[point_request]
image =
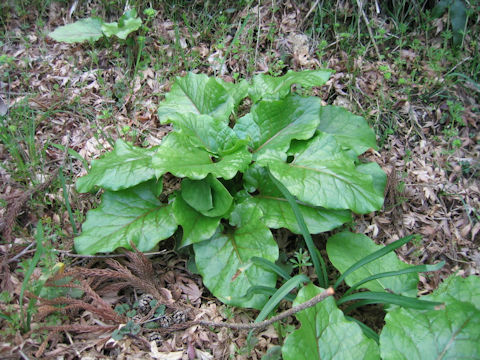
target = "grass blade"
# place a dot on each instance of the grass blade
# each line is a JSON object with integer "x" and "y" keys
{"x": 5, "y": 317}
{"x": 367, "y": 330}
{"x": 417, "y": 269}
{"x": 266, "y": 290}
{"x": 318, "y": 262}
{"x": 373, "y": 256}
{"x": 387, "y": 298}
{"x": 270, "y": 266}
{"x": 280, "y": 295}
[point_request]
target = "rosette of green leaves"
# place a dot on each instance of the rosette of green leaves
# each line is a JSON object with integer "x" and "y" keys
{"x": 226, "y": 204}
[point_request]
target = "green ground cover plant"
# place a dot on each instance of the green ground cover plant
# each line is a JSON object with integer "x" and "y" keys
{"x": 420, "y": 65}
{"x": 226, "y": 202}
{"x": 254, "y": 156}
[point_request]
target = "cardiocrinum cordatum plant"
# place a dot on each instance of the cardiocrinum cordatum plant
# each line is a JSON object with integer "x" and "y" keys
{"x": 237, "y": 154}
{"x": 226, "y": 202}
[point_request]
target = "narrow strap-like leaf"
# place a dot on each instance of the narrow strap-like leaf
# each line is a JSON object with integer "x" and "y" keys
{"x": 387, "y": 298}
{"x": 280, "y": 295}
{"x": 372, "y": 257}
{"x": 367, "y": 330}
{"x": 270, "y": 266}
{"x": 266, "y": 290}
{"x": 318, "y": 262}
{"x": 417, "y": 269}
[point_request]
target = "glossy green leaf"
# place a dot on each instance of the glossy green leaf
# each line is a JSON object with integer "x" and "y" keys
{"x": 131, "y": 215}
{"x": 379, "y": 177}
{"x": 270, "y": 87}
{"x": 225, "y": 263}
{"x": 345, "y": 249}
{"x": 196, "y": 94}
{"x": 177, "y": 156}
{"x": 448, "y": 333}
{"x": 197, "y": 194}
{"x": 277, "y": 212}
{"x": 124, "y": 167}
{"x": 128, "y": 23}
{"x": 349, "y": 130}
{"x": 205, "y": 132}
{"x": 272, "y": 125}
{"x": 207, "y": 196}
{"x": 89, "y": 29}
{"x": 238, "y": 91}
{"x": 196, "y": 226}
{"x": 321, "y": 174}
{"x": 326, "y": 334}
{"x": 456, "y": 288}
{"x": 373, "y": 256}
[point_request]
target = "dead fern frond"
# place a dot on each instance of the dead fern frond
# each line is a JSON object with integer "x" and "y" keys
{"x": 54, "y": 330}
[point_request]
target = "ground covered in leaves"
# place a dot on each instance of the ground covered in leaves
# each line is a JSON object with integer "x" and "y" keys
{"x": 419, "y": 93}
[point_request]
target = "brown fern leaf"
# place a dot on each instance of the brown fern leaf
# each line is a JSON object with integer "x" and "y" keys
{"x": 54, "y": 330}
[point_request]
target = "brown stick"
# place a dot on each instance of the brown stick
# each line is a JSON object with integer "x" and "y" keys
{"x": 250, "y": 326}
{"x": 312, "y": 302}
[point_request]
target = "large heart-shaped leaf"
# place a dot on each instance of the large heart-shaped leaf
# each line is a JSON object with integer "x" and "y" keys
{"x": 238, "y": 91}
{"x": 448, "y": 333}
{"x": 205, "y": 132}
{"x": 349, "y": 130}
{"x": 277, "y": 212}
{"x": 124, "y": 167}
{"x": 89, "y": 29}
{"x": 269, "y": 87}
{"x": 379, "y": 177}
{"x": 207, "y": 196}
{"x": 196, "y": 94}
{"x": 131, "y": 215}
{"x": 196, "y": 226}
{"x": 321, "y": 174}
{"x": 325, "y": 333}
{"x": 178, "y": 156}
{"x": 272, "y": 125}
{"x": 224, "y": 260}
{"x": 128, "y": 23}
{"x": 456, "y": 288}
{"x": 345, "y": 249}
